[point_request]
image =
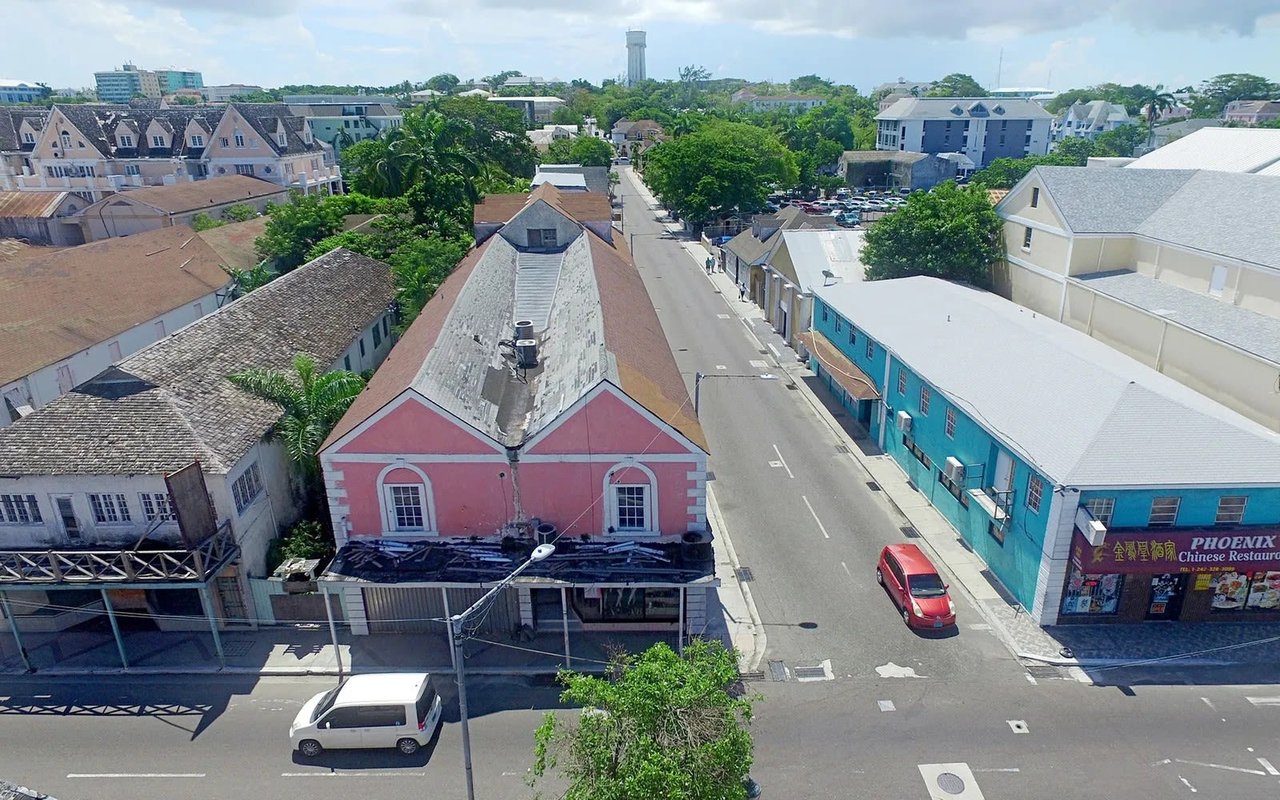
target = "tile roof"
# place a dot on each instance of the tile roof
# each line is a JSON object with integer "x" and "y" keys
{"x": 77, "y": 297}
{"x": 1248, "y": 330}
{"x": 1198, "y": 209}
{"x": 600, "y": 327}
{"x": 31, "y": 204}
{"x": 235, "y": 243}
{"x": 171, "y": 402}
{"x": 196, "y": 195}
{"x": 1081, "y": 412}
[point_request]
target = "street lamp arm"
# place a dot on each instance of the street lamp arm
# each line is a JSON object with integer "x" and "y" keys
{"x": 489, "y": 595}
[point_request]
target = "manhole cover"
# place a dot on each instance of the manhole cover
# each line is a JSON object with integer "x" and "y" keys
{"x": 777, "y": 671}
{"x": 951, "y": 783}
{"x": 910, "y": 532}
{"x": 744, "y": 574}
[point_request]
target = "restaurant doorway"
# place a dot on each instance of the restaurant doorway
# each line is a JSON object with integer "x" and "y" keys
{"x": 1166, "y": 596}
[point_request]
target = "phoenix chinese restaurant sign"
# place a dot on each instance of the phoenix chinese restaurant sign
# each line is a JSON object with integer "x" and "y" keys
{"x": 1155, "y": 552}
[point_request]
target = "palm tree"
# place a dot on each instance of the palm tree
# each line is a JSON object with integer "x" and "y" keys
{"x": 427, "y": 145}
{"x": 312, "y": 401}
{"x": 1158, "y": 102}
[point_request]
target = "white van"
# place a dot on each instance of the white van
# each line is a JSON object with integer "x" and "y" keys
{"x": 397, "y": 710}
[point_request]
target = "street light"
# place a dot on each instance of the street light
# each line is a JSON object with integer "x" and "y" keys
{"x": 456, "y": 636}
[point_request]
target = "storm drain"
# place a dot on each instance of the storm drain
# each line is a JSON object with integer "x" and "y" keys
{"x": 910, "y": 532}
{"x": 844, "y": 448}
{"x": 711, "y": 476}
{"x": 1042, "y": 671}
{"x": 873, "y": 486}
{"x": 777, "y": 671}
{"x": 744, "y": 574}
{"x": 237, "y": 647}
{"x": 792, "y": 387}
{"x": 821, "y": 672}
{"x": 757, "y": 675}
{"x": 951, "y": 783}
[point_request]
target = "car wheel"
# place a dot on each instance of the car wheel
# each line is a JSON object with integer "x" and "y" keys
{"x": 407, "y": 746}
{"x": 879, "y": 576}
{"x": 310, "y": 748}
{"x": 906, "y": 617}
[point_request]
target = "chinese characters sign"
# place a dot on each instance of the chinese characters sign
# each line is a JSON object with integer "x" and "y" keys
{"x": 1155, "y": 551}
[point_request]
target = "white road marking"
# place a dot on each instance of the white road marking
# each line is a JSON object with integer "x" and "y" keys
{"x": 1271, "y": 770}
{"x": 776, "y": 354}
{"x": 783, "y": 460}
{"x": 821, "y": 527}
{"x": 759, "y": 363}
{"x": 1221, "y": 766}
{"x": 886, "y": 705}
{"x": 892, "y": 670}
{"x": 1187, "y": 783}
{"x": 846, "y": 569}
{"x": 1018, "y": 726}
{"x": 721, "y": 366}
{"x": 1209, "y": 703}
{"x": 722, "y": 316}
{"x": 1031, "y": 679}
{"x": 999, "y": 769}
{"x": 135, "y": 775}
{"x": 1162, "y": 763}
{"x": 1264, "y": 701}
{"x": 335, "y": 774}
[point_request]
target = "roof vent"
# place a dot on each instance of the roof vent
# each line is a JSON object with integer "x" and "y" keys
{"x": 524, "y": 329}
{"x": 526, "y": 353}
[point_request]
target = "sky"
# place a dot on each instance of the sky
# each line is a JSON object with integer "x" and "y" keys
{"x": 1054, "y": 44}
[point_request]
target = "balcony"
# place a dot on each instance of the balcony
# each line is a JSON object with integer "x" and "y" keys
{"x": 995, "y": 503}
{"x": 100, "y": 183}
{"x": 132, "y": 566}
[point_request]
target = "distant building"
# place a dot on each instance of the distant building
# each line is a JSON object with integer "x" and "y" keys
{"x": 347, "y": 120}
{"x": 895, "y": 170}
{"x": 44, "y": 218}
{"x": 763, "y": 102}
{"x": 1025, "y": 93}
{"x": 154, "y": 207}
{"x": 1086, "y": 120}
{"x": 224, "y": 93}
{"x": 981, "y": 128}
{"x": 635, "y": 57}
{"x": 424, "y": 96}
{"x": 529, "y": 80}
{"x": 904, "y": 86}
{"x": 22, "y": 92}
{"x": 1252, "y": 112}
{"x": 121, "y": 85}
{"x": 536, "y": 109}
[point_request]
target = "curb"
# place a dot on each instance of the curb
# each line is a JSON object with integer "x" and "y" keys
{"x": 758, "y": 638}
{"x": 296, "y": 672}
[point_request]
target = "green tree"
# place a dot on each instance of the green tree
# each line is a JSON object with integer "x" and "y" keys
{"x": 720, "y": 168}
{"x": 312, "y": 402}
{"x": 1219, "y": 90}
{"x": 1073, "y": 151}
{"x": 957, "y": 84}
{"x": 293, "y": 228}
{"x": 1122, "y": 141}
{"x": 497, "y": 133}
{"x": 185, "y": 100}
{"x": 811, "y": 84}
{"x": 662, "y": 727}
{"x": 246, "y": 280}
{"x": 419, "y": 268}
{"x": 951, "y": 232}
{"x": 585, "y": 150}
{"x": 203, "y": 222}
{"x": 445, "y": 82}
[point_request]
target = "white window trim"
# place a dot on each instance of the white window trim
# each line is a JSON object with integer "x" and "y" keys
{"x": 262, "y": 489}
{"x": 387, "y": 511}
{"x": 652, "y": 527}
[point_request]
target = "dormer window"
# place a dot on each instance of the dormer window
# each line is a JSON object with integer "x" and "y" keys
{"x": 197, "y": 140}
{"x": 66, "y": 140}
{"x": 157, "y": 141}
{"x": 542, "y": 237}
{"x": 239, "y": 139}
{"x": 282, "y": 140}
{"x": 126, "y": 140}
{"x": 957, "y": 110}
{"x": 998, "y": 110}
{"x": 28, "y": 137}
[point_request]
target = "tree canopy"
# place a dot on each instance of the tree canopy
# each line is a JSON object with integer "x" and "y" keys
{"x": 951, "y": 232}
{"x": 663, "y": 727}
{"x": 588, "y": 151}
{"x": 957, "y": 84}
{"x": 445, "y": 82}
{"x": 720, "y": 168}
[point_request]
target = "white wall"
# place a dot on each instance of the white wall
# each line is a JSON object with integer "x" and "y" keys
{"x": 41, "y": 387}
{"x": 50, "y": 534}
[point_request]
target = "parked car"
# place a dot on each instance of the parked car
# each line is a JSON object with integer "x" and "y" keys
{"x": 399, "y": 710}
{"x": 915, "y": 587}
{"x": 849, "y": 219}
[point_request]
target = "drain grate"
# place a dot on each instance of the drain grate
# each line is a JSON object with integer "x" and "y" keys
{"x": 777, "y": 671}
{"x": 711, "y": 476}
{"x": 763, "y": 352}
{"x": 757, "y": 675}
{"x": 1042, "y": 671}
{"x": 809, "y": 673}
{"x": 951, "y": 783}
{"x": 910, "y": 532}
{"x": 744, "y": 574}
{"x": 873, "y": 486}
{"x": 793, "y": 387}
{"x": 844, "y": 448}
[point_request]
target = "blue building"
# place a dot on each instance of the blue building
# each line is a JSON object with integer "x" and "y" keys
{"x": 1095, "y": 488}
{"x": 22, "y": 92}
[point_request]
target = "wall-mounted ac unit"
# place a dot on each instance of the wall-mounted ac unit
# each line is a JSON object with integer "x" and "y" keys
{"x": 904, "y": 422}
{"x": 954, "y": 470}
{"x": 1094, "y": 531}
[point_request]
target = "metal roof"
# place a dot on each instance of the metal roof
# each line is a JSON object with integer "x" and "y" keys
{"x": 1081, "y": 412}
{"x": 1248, "y": 330}
{"x": 30, "y": 204}
{"x": 968, "y": 107}
{"x": 1220, "y": 149}
{"x": 813, "y": 252}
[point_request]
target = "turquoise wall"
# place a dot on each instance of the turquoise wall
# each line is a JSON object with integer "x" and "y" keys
{"x": 1199, "y": 507}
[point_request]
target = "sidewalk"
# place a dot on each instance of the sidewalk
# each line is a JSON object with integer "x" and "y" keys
{"x": 1151, "y": 644}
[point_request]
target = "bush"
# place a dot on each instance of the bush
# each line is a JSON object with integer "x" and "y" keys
{"x": 306, "y": 539}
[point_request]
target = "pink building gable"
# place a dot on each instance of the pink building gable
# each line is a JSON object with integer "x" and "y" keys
{"x": 608, "y": 424}
{"x": 415, "y": 427}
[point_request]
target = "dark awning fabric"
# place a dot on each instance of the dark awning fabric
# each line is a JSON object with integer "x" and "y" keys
{"x": 839, "y": 367}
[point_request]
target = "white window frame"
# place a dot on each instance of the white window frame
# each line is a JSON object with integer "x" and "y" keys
{"x": 20, "y": 509}
{"x": 386, "y": 505}
{"x": 611, "y": 494}
{"x": 244, "y": 169}
{"x": 28, "y": 137}
{"x": 197, "y": 140}
{"x": 391, "y": 491}
{"x": 132, "y": 169}
{"x": 1234, "y": 505}
{"x": 1026, "y": 238}
{"x": 157, "y": 506}
{"x": 925, "y": 397}
{"x": 949, "y": 424}
{"x": 126, "y": 140}
{"x": 902, "y": 381}
{"x": 1163, "y": 513}
{"x": 1035, "y": 493}
{"x": 158, "y": 141}
{"x": 1102, "y": 509}
{"x": 239, "y": 137}
{"x": 110, "y": 508}
{"x": 240, "y": 494}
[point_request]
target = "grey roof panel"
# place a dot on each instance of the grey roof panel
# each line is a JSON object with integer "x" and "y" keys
{"x": 1101, "y": 200}
{"x": 943, "y": 108}
{"x": 1081, "y": 412}
{"x": 1230, "y": 214}
{"x": 1248, "y": 330}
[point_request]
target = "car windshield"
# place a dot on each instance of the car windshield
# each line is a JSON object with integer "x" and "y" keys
{"x": 927, "y": 586}
{"x": 325, "y": 704}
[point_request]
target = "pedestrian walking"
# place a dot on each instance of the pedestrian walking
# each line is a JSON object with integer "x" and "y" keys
{"x": 710, "y": 264}
{"x": 742, "y": 293}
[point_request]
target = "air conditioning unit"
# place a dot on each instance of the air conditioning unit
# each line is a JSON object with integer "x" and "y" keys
{"x": 904, "y": 422}
{"x": 954, "y": 470}
{"x": 1093, "y": 530}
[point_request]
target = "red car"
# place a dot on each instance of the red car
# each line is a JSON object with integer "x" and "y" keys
{"x": 915, "y": 586}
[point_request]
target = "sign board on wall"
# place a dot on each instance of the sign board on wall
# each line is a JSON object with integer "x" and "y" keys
{"x": 191, "y": 504}
{"x": 1155, "y": 551}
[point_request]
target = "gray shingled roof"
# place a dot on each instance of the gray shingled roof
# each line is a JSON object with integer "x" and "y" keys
{"x": 171, "y": 402}
{"x": 98, "y": 123}
{"x": 752, "y": 250}
{"x": 263, "y": 118}
{"x": 1248, "y": 330}
{"x": 1083, "y": 413}
{"x": 1198, "y": 209}
{"x": 968, "y": 107}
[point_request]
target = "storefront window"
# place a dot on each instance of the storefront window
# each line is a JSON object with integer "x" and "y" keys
{"x": 1250, "y": 591}
{"x": 1092, "y": 594}
{"x": 627, "y": 605}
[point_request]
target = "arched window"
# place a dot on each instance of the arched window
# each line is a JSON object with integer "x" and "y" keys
{"x": 631, "y": 499}
{"x": 66, "y": 139}
{"x": 406, "y": 501}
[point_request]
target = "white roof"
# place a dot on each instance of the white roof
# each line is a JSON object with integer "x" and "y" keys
{"x": 834, "y": 251}
{"x": 1218, "y": 149}
{"x": 390, "y": 687}
{"x": 560, "y": 180}
{"x": 1083, "y": 414}
{"x": 6, "y": 83}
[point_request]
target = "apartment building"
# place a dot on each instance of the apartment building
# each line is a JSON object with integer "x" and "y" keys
{"x": 982, "y": 128}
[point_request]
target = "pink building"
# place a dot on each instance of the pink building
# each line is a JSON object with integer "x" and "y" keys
{"x": 534, "y": 399}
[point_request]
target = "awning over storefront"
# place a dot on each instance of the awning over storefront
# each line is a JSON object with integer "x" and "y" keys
{"x": 1155, "y": 551}
{"x": 839, "y": 367}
